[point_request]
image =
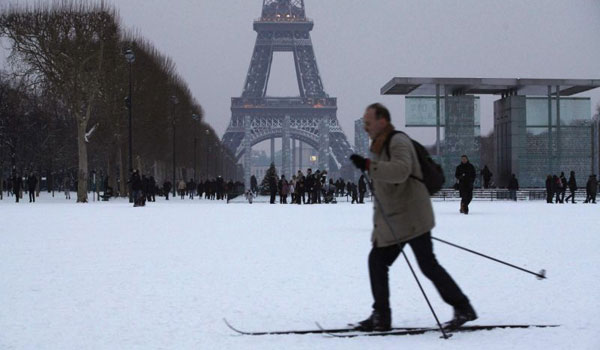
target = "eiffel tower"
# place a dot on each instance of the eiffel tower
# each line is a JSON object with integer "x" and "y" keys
{"x": 310, "y": 118}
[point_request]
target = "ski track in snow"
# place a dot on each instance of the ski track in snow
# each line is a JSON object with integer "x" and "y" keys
{"x": 110, "y": 276}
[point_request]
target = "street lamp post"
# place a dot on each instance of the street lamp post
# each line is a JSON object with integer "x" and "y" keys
{"x": 216, "y": 165}
{"x": 197, "y": 120}
{"x": 207, "y": 132}
{"x": 174, "y": 101}
{"x": 130, "y": 57}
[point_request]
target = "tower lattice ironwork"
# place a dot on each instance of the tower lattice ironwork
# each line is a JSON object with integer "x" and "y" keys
{"x": 310, "y": 118}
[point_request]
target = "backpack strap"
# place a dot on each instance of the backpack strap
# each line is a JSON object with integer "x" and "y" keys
{"x": 387, "y": 149}
{"x": 386, "y": 144}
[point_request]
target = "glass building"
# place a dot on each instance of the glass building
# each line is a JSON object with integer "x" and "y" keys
{"x": 539, "y": 127}
{"x": 459, "y": 126}
{"x": 532, "y": 143}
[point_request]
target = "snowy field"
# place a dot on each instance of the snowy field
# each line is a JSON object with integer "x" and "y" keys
{"x": 110, "y": 276}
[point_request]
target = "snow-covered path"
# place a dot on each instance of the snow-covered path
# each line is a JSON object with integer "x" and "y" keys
{"x": 109, "y": 276}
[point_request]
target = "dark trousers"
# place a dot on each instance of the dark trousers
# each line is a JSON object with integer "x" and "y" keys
{"x": 466, "y": 196}
{"x": 571, "y": 196}
{"x": 316, "y": 196}
{"x": 31, "y": 196}
{"x": 380, "y": 259}
{"x": 273, "y": 194}
{"x": 362, "y": 197}
{"x": 549, "y": 196}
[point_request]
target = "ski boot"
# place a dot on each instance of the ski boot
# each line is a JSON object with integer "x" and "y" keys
{"x": 379, "y": 321}
{"x": 462, "y": 315}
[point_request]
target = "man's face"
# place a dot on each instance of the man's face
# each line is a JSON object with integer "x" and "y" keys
{"x": 373, "y": 126}
{"x": 464, "y": 160}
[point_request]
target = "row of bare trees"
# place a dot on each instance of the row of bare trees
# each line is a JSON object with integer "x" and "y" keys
{"x": 64, "y": 104}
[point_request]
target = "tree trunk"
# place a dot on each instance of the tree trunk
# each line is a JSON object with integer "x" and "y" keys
{"x": 112, "y": 177}
{"x": 82, "y": 174}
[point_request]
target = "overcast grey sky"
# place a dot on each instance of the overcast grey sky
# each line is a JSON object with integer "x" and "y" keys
{"x": 360, "y": 45}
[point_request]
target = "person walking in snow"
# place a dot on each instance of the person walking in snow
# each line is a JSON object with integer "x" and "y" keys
{"x": 362, "y": 189}
{"x": 31, "y": 186}
{"x": 486, "y": 174}
{"x": 284, "y": 189}
{"x": 67, "y": 186}
{"x": 572, "y": 188}
{"x": 549, "y": 189}
{"x": 559, "y": 187}
{"x": 167, "y": 186}
{"x": 17, "y": 185}
{"x": 395, "y": 183}
{"x": 465, "y": 175}
{"x": 513, "y": 187}
{"x": 273, "y": 188}
{"x": 181, "y": 187}
{"x": 591, "y": 189}
{"x": 136, "y": 188}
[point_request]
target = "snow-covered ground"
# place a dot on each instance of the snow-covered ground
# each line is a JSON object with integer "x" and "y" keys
{"x": 109, "y": 276}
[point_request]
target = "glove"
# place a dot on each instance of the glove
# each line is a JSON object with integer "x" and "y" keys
{"x": 359, "y": 162}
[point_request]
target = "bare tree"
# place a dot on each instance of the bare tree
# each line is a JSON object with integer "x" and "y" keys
{"x": 62, "y": 47}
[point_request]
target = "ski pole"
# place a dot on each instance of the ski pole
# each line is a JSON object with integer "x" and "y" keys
{"x": 540, "y": 275}
{"x": 385, "y": 218}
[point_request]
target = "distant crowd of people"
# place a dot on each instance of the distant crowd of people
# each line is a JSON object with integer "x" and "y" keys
{"x": 312, "y": 188}
{"x": 145, "y": 189}
{"x": 16, "y": 184}
{"x": 556, "y": 188}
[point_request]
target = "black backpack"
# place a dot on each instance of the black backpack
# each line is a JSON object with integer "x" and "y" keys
{"x": 433, "y": 175}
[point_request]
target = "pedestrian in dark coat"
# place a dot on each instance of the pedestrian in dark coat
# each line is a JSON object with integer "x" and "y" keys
{"x": 136, "y": 188}
{"x": 191, "y": 188}
{"x": 513, "y": 187}
{"x": 17, "y": 185}
{"x": 9, "y": 186}
{"x": 283, "y": 190}
{"x": 354, "y": 193}
{"x": 561, "y": 188}
{"x": 487, "y": 176}
{"x": 273, "y": 188}
{"x": 317, "y": 187}
{"x": 465, "y": 175}
{"x": 549, "y": 189}
{"x": 167, "y": 186}
{"x": 362, "y": 189}
{"x": 152, "y": 189}
{"x": 572, "y": 188}
{"x": 31, "y": 186}
{"x": 300, "y": 188}
{"x": 308, "y": 185}
{"x": 592, "y": 189}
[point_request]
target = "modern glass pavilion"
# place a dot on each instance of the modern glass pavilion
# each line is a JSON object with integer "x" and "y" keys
{"x": 539, "y": 128}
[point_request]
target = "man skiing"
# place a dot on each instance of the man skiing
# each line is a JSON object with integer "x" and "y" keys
{"x": 407, "y": 204}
